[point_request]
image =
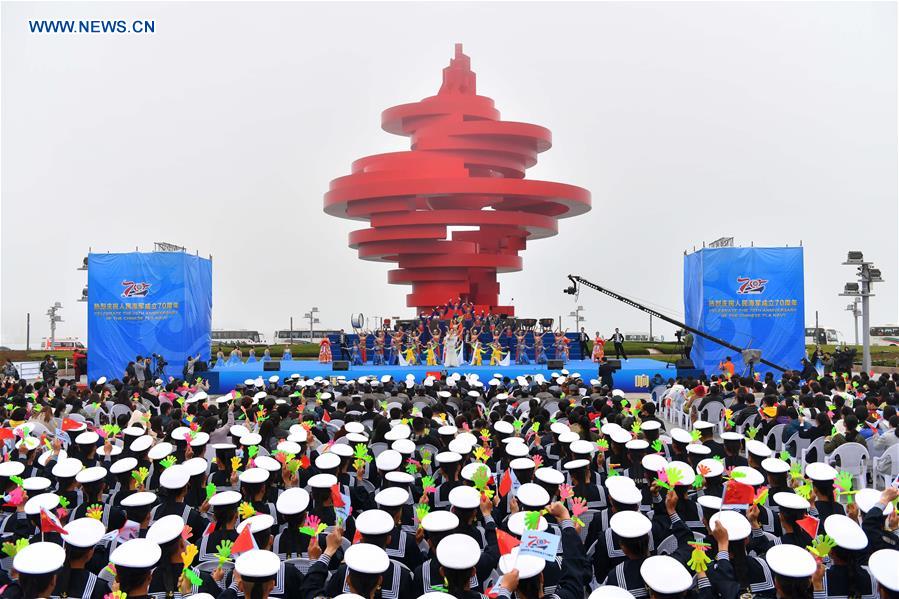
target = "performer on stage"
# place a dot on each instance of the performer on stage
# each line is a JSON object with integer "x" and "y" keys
{"x": 396, "y": 347}
{"x": 411, "y": 355}
{"x": 539, "y": 352}
{"x": 477, "y": 353}
{"x": 363, "y": 342}
{"x": 450, "y": 349}
{"x": 431, "y": 359}
{"x": 379, "y": 349}
{"x": 559, "y": 343}
{"x": 599, "y": 347}
{"x": 286, "y": 354}
{"x": 251, "y": 358}
{"x": 496, "y": 354}
{"x": 521, "y": 348}
{"x": 324, "y": 351}
{"x": 355, "y": 355}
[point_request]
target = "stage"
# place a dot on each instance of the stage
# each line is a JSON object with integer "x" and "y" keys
{"x": 636, "y": 374}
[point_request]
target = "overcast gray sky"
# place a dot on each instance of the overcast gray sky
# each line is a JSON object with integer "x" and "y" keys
{"x": 772, "y": 123}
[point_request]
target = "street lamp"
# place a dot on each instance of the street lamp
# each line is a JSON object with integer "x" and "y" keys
{"x": 312, "y": 315}
{"x": 578, "y": 319}
{"x": 856, "y": 310}
{"x": 866, "y": 274}
{"x": 53, "y": 313}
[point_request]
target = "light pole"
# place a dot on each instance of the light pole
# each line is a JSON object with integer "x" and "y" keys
{"x": 578, "y": 319}
{"x": 312, "y": 315}
{"x": 53, "y": 313}
{"x": 867, "y": 274}
{"x": 854, "y": 308}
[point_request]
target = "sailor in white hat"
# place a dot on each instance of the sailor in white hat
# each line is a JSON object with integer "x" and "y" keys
{"x": 76, "y": 580}
{"x": 223, "y": 507}
{"x": 882, "y": 565}
{"x": 173, "y": 488}
{"x": 846, "y": 575}
{"x": 796, "y": 573}
{"x": 134, "y": 562}
{"x": 254, "y": 484}
{"x": 292, "y": 505}
{"x": 402, "y": 546}
{"x": 167, "y": 579}
{"x": 366, "y": 568}
{"x": 38, "y": 566}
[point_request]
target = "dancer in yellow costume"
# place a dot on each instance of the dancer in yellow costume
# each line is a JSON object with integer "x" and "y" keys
{"x": 431, "y": 354}
{"x": 477, "y": 354}
{"x": 411, "y": 357}
{"x": 496, "y": 355}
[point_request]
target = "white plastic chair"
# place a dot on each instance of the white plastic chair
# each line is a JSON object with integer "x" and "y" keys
{"x": 795, "y": 444}
{"x": 852, "y": 458}
{"x": 776, "y": 433}
{"x": 667, "y": 546}
{"x": 818, "y": 447}
{"x": 892, "y": 453}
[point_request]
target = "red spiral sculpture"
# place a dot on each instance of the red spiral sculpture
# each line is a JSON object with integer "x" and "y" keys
{"x": 456, "y": 209}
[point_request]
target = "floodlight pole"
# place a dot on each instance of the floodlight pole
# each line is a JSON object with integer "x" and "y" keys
{"x": 853, "y": 307}
{"x": 866, "y": 326}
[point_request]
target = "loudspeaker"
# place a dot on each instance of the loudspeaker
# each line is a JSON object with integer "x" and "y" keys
{"x": 685, "y": 363}
{"x": 555, "y": 364}
{"x": 271, "y": 365}
{"x": 341, "y": 365}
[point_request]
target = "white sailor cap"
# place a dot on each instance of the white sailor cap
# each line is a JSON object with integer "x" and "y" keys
{"x": 168, "y": 528}
{"x": 558, "y": 428}
{"x": 253, "y": 476}
{"x": 681, "y": 436}
{"x": 448, "y": 457}
{"x": 392, "y": 497}
{"x": 882, "y": 565}
{"x": 758, "y": 449}
{"x": 101, "y": 380}
{"x": 257, "y": 523}
{"x": 249, "y": 382}
{"x": 354, "y": 438}
{"x": 288, "y": 447}
{"x": 458, "y": 552}
{"x": 91, "y": 475}
{"x": 342, "y": 449}
{"x": 292, "y": 501}
{"x": 775, "y": 466}
{"x": 322, "y": 481}
{"x": 238, "y": 430}
{"x": 407, "y": 446}
{"x": 67, "y": 468}
{"x": 665, "y": 575}
{"x": 698, "y": 449}
{"x": 465, "y": 498}
{"x": 687, "y": 474}
{"x": 365, "y": 558}
{"x": 87, "y": 438}
{"x": 731, "y": 436}
{"x": 791, "y": 561}
{"x": 522, "y": 464}
{"x": 503, "y": 427}
{"x": 389, "y": 459}
{"x": 84, "y": 532}
{"x": 134, "y": 431}
{"x": 374, "y": 522}
{"x": 820, "y": 471}
{"x": 711, "y": 466}
{"x": 609, "y": 427}
{"x": 354, "y": 427}
{"x": 791, "y": 501}
{"x": 196, "y": 466}
{"x": 123, "y": 465}
{"x": 440, "y": 521}
{"x": 736, "y": 524}
{"x": 517, "y": 449}
{"x": 702, "y": 425}
{"x": 267, "y": 463}
{"x": 653, "y": 462}
{"x": 160, "y": 450}
{"x": 710, "y": 502}
{"x": 750, "y": 476}
{"x": 582, "y": 447}
{"x": 624, "y": 493}
{"x": 180, "y": 433}
{"x": 36, "y": 483}
{"x": 650, "y": 425}
{"x": 174, "y": 477}
{"x": 139, "y": 499}
{"x": 141, "y": 443}
{"x": 399, "y": 477}
{"x": 223, "y": 498}
{"x": 633, "y": 445}
{"x": 45, "y": 501}
{"x": 569, "y": 437}
{"x": 516, "y": 525}
{"x": 630, "y": 524}
{"x": 136, "y": 553}
{"x": 868, "y": 498}
{"x": 550, "y": 476}
{"x": 251, "y": 439}
{"x": 610, "y": 592}
{"x": 400, "y": 431}
{"x": 620, "y": 436}
{"x": 327, "y": 461}
{"x": 274, "y": 378}
{"x": 459, "y": 446}
{"x": 575, "y": 464}
{"x": 114, "y": 450}
{"x": 532, "y": 495}
{"x": 257, "y": 564}
{"x": 846, "y": 532}
{"x": 199, "y": 396}
{"x": 16, "y": 468}
{"x": 30, "y": 443}
{"x": 468, "y": 470}
{"x": 39, "y": 558}
{"x": 528, "y": 566}
{"x": 199, "y": 439}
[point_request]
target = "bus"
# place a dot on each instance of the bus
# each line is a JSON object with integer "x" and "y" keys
{"x": 237, "y": 337}
{"x": 286, "y": 336}
{"x": 825, "y": 336}
{"x": 888, "y": 335}
{"x": 643, "y": 337}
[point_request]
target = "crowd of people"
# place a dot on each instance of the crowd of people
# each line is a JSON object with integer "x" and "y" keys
{"x": 399, "y": 489}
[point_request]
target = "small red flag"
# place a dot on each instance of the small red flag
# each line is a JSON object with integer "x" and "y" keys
{"x": 6, "y": 433}
{"x": 336, "y": 497}
{"x": 505, "y": 485}
{"x": 810, "y": 525}
{"x": 209, "y": 529}
{"x": 506, "y": 542}
{"x": 69, "y": 425}
{"x": 737, "y": 493}
{"x": 357, "y": 537}
{"x": 50, "y": 523}
{"x": 244, "y": 541}
{"x": 326, "y": 417}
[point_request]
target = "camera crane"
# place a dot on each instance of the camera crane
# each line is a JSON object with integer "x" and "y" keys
{"x": 573, "y": 290}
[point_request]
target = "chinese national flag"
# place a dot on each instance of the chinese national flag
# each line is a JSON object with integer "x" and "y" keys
{"x": 50, "y": 523}
{"x": 737, "y": 493}
{"x": 326, "y": 417}
{"x": 506, "y": 542}
{"x": 244, "y": 541}
{"x": 336, "y": 497}
{"x": 810, "y": 525}
{"x": 505, "y": 485}
{"x": 69, "y": 425}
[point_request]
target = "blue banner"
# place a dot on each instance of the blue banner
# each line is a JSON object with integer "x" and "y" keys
{"x": 753, "y": 298}
{"x": 141, "y": 304}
